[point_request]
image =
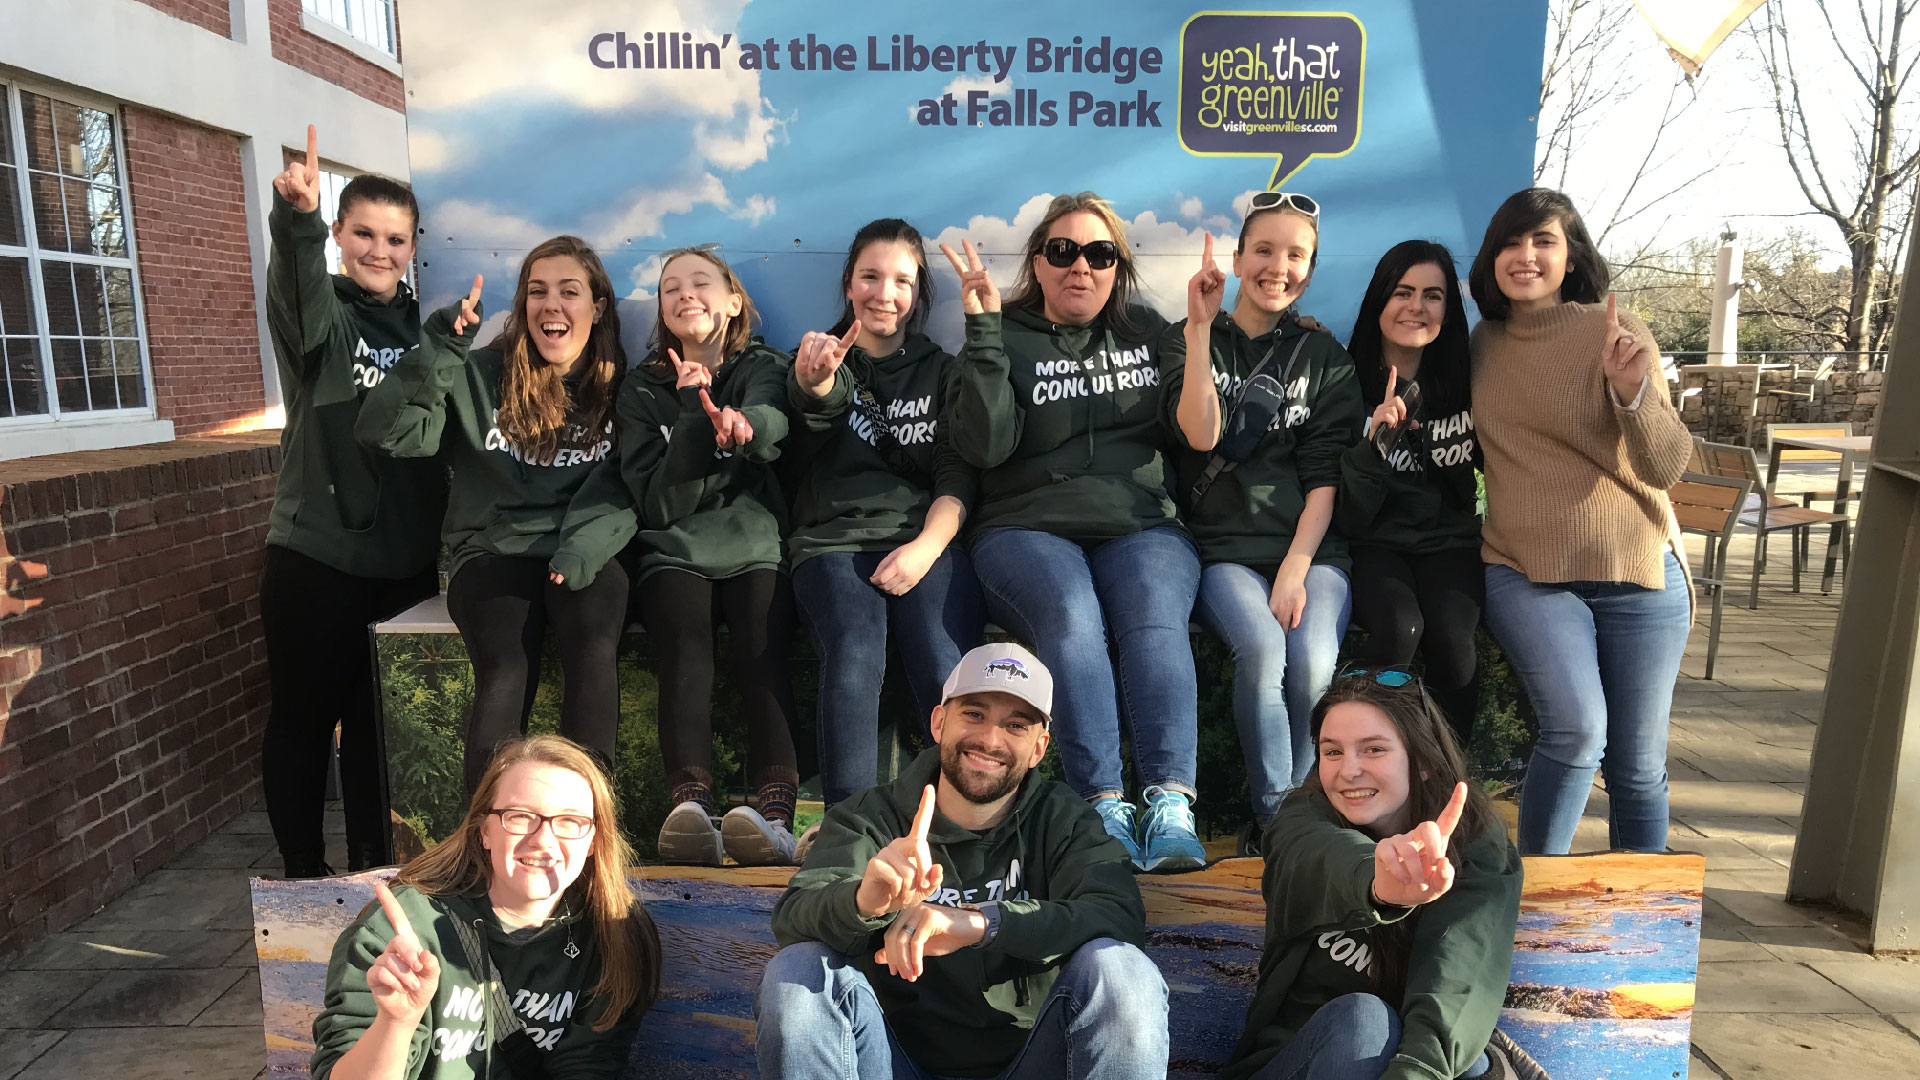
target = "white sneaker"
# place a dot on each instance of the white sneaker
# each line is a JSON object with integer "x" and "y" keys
{"x": 754, "y": 841}
{"x": 806, "y": 844}
{"x": 688, "y": 837}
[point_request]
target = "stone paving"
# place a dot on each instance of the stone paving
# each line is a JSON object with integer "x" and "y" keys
{"x": 162, "y": 982}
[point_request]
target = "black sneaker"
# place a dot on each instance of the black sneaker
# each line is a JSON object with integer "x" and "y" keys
{"x": 306, "y": 866}
{"x": 1248, "y": 846}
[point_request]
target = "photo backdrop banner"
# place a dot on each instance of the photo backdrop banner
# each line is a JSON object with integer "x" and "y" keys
{"x": 775, "y": 130}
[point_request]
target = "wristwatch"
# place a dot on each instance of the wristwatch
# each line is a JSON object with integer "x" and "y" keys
{"x": 991, "y": 912}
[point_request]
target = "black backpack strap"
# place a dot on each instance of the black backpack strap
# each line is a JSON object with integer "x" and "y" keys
{"x": 505, "y": 1029}
{"x": 1217, "y": 465}
{"x": 891, "y": 451}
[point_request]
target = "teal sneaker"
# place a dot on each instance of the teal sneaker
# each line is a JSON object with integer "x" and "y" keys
{"x": 1167, "y": 840}
{"x": 1117, "y": 815}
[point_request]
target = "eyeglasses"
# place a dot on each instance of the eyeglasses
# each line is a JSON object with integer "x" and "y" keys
{"x": 1062, "y": 252}
{"x": 1284, "y": 200}
{"x": 526, "y": 822}
{"x": 1393, "y": 677}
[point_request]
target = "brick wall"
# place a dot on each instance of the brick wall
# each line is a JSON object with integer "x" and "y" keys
{"x": 133, "y": 682}
{"x": 317, "y": 56}
{"x": 214, "y": 15}
{"x": 196, "y": 275}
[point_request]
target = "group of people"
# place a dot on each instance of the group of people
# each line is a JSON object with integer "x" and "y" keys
{"x": 1108, "y": 478}
{"x": 1082, "y": 473}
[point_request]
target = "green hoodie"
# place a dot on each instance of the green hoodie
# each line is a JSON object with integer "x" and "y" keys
{"x": 716, "y": 513}
{"x": 1061, "y": 882}
{"x": 1065, "y": 424}
{"x": 1318, "y": 882}
{"x": 356, "y": 511}
{"x": 571, "y": 510}
{"x": 845, "y": 495}
{"x": 1248, "y": 515}
{"x": 1422, "y": 501}
{"x": 545, "y": 986}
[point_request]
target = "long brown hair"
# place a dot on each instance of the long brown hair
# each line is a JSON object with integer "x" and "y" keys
{"x": 629, "y": 944}
{"x": 739, "y": 330}
{"x": 1435, "y": 763}
{"x": 534, "y": 401}
{"x": 1126, "y": 279}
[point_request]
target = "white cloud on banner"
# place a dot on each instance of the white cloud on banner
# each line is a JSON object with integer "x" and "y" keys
{"x": 539, "y": 51}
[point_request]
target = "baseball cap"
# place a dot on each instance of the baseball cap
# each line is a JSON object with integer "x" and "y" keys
{"x": 1003, "y": 668}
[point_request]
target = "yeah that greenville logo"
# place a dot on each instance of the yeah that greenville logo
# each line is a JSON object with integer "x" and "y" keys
{"x": 1284, "y": 85}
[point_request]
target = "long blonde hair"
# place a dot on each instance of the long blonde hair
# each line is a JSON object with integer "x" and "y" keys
{"x": 534, "y": 401}
{"x": 629, "y": 943}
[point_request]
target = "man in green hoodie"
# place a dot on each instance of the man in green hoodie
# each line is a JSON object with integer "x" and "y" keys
{"x": 994, "y": 931}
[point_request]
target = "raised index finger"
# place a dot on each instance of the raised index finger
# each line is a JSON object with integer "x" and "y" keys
{"x": 1393, "y": 380}
{"x": 401, "y": 927}
{"x": 1206, "y": 251}
{"x": 1613, "y": 316}
{"x": 473, "y": 297}
{"x": 973, "y": 256}
{"x": 853, "y": 332}
{"x": 313, "y": 151}
{"x": 1449, "y": 818}
{"x": 954, "y": 258}
{"x": 923, "y": 817}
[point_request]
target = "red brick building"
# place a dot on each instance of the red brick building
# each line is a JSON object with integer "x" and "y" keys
{"x": 138, "y": 402}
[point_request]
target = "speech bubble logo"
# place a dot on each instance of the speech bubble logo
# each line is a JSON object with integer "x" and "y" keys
{"x": 1283, "y": 84}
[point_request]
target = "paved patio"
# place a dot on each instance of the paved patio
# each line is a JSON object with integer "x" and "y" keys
{"x": 162, "y": 982}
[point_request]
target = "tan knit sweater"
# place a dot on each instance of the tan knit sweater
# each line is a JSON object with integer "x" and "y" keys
{"x": 1576, "y": 484}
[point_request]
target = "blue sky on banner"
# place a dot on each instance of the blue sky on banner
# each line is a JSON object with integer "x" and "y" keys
{"x": 517, "y": 135}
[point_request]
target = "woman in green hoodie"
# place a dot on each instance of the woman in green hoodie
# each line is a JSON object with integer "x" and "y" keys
{"x": 1392, "y": 896}
{"x": 701, "y": 423}
{"x": 878, "y": 497}
{"x": 1058, "y": 401}
{"x": 537, "y": 511}
{"x": 513, "y": 948}
{"x": 352, "y": 535}
{"x": 1407, "y": 499}
{"x": 1266, "y": 407}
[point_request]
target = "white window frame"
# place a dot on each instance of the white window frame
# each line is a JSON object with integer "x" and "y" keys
{"x": 369, "y": 22}
{"x": 54, "y": 418}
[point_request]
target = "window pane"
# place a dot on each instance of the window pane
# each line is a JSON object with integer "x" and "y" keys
{"x": 120, "y": 303}
{"x": 23, "y": 376}
{"x": 9, "y": 200}
{"x": 70, "y": 376}
{"x": 49, "y": 220}
{"x": 90, "y": 300}
{"x": 61, "y": 319}
{"x": 133, "y": 391}
{"x": 36, "y": 112}
{"x": 6, "y": 129}
{"x": 81, "y": 139}
{"x": 16, "y": 299}
{"x": 103, "y": 214}
{"x": 100, "y": 374}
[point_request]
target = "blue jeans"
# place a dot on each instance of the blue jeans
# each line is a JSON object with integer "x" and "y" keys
{"x": 1278, "y": 675}
{"x": 1352, "y": 1037}
{"x": 1065, "y": 603}
{"x": 933, "y": 625}
{"x": 1599, "y": 660}
{"x": 816, "y": 1018}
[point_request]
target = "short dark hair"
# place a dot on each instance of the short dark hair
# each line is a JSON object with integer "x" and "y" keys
{"x": 889, "y": 231}
{"x": 372, "y": 187}
{"x": 1446, "y": 369}
{"x": 1524, "y": 211}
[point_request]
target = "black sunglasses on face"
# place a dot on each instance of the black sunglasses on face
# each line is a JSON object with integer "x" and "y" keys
{"x": 1062, "y": 252}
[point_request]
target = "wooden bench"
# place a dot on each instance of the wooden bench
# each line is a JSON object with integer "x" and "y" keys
{"x": 1602, "y": 985}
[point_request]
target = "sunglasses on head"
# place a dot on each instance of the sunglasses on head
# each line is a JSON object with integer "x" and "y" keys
{"x": 1062, "y": 252}
{"x": 1393, "y": 677}
{"x": 1284, "y": 200}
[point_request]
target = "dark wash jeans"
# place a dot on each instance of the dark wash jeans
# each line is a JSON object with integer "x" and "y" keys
{"x": 1068, "y": 603}
{"x": 932, "y": 625}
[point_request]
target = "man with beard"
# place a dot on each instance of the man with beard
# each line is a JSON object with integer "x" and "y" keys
{"x": 968, "y": 919}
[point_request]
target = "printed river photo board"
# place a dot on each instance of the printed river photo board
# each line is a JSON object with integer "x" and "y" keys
{"x": 776, "y": 130}
{"x": 1602, "y": 987}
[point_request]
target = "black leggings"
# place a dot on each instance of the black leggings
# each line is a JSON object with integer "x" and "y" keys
{"x": 502, "y": 606}
{"x": 680, "y": 610}
{"x": 320, "y": 669}
{"x": 1429, "y": 603}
